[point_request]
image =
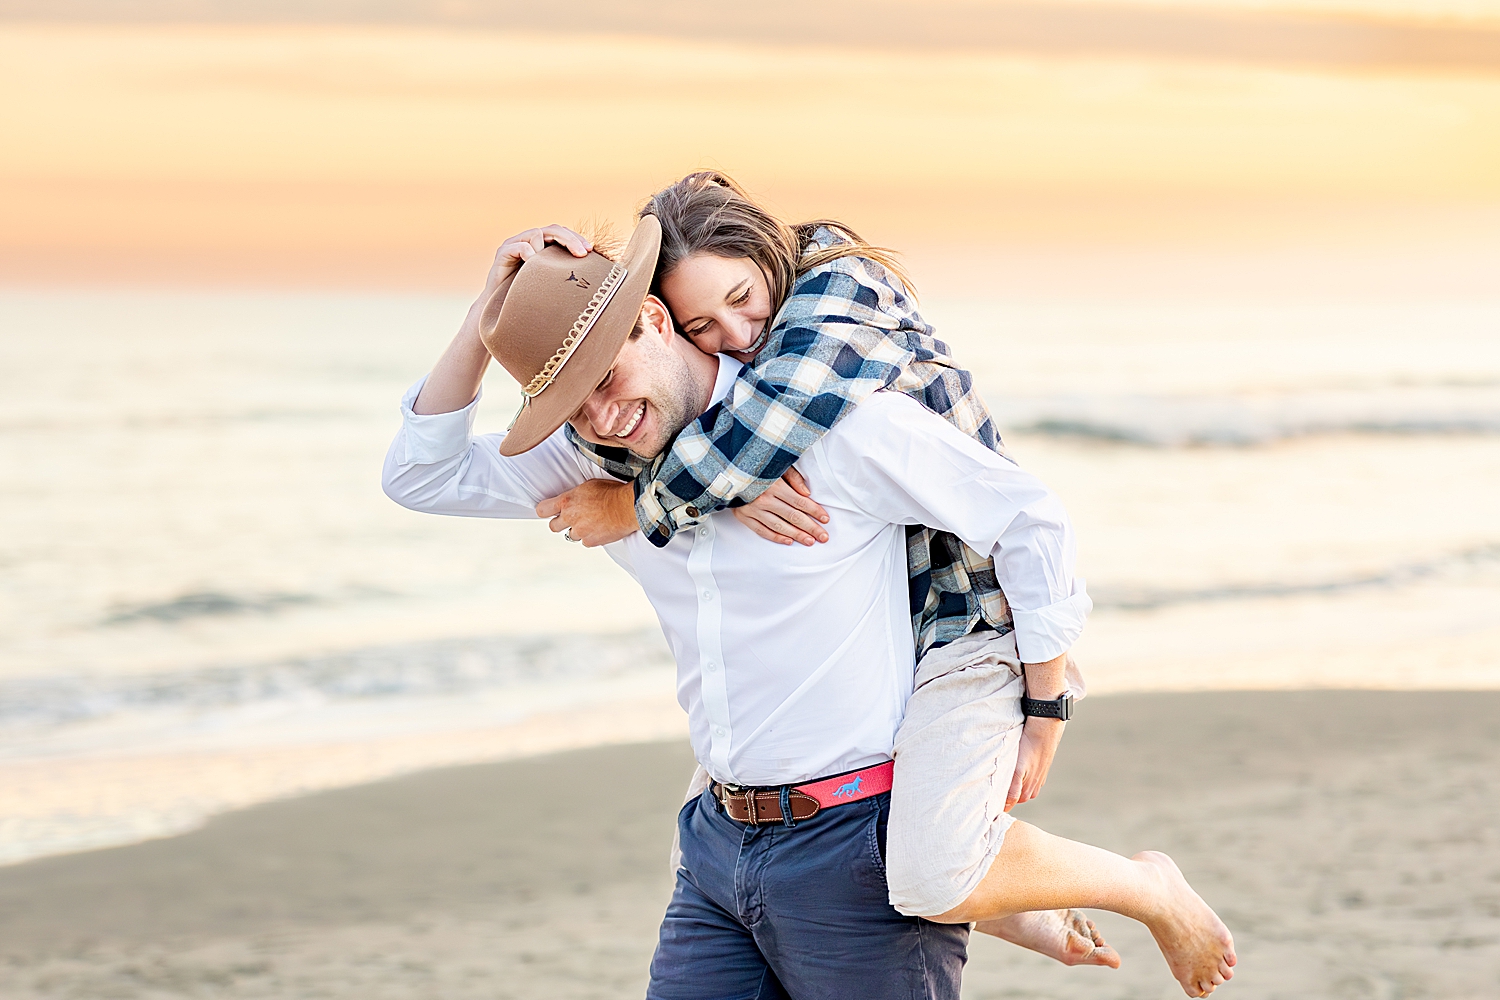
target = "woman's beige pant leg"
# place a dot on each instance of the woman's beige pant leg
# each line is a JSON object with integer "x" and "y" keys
{"x": 955, "y": 757}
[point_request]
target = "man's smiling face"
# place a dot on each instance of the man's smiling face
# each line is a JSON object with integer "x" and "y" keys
{"x": 651, "y": 392}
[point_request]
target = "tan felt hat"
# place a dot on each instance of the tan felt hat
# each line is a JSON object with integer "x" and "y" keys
{"x": 561, "y": 325}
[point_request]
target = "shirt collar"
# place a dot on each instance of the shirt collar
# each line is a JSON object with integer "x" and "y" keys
{"x": 729, "y": 370}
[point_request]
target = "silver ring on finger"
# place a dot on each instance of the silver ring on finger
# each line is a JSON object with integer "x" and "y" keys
{"x": 568, "y": 534}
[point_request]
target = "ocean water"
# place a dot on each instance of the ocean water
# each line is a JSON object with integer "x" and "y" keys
{"x": 205, "y": 599}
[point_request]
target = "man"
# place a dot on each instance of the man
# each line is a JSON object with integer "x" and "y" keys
{"x": 795, "y": 666}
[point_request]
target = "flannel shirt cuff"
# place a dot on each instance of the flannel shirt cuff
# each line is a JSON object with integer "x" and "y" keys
{"x": 659, "y": 521}
{"x": 650, "y": 514}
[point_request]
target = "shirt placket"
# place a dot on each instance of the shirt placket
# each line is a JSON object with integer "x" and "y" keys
{"x": 711, "y": 647}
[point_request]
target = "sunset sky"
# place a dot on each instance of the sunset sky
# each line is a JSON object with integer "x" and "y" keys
{"x": 377, "y": 154}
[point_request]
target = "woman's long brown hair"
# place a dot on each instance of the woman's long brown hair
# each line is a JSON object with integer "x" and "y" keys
{"x": 707, "y": 212}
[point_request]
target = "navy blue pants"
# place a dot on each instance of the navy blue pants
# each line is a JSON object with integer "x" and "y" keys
{"x": 799, "y": 913}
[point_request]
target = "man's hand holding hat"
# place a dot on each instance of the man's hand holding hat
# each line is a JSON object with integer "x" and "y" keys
{"x": 455, "y": 379}
{"x": 512, "y": 254}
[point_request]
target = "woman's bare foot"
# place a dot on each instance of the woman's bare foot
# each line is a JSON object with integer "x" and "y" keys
{"x": 1066, "y": 935}
{"x": 1197, "y": 945}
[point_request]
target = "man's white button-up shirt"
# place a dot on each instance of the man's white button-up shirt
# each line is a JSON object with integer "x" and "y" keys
{"x": 793, "y": 662}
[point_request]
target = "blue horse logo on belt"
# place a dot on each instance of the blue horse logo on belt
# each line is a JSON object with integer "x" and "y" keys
{"x": 852, "y": 788}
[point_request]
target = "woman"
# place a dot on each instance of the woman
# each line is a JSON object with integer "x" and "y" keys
{"x": 845, "y": 326}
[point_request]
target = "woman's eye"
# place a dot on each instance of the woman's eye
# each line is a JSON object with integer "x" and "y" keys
{"x": 745, "y": 297}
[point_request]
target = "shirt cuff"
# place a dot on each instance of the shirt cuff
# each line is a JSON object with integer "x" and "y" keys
{"x": 655, "y": 524}
{"x": 685, "y": 516}
{"x": 658, "y": 522}
{"x": 1047, "y": 633}
{"x": 432, "y": 437}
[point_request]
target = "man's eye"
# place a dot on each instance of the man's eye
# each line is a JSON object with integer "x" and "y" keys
{"x": 608, "y": 377}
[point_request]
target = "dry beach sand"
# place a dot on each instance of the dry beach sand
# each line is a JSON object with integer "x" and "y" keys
{"x": 1350, "y": 839}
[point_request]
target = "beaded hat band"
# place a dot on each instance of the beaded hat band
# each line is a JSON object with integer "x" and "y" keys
{"x": 580, "y": 330}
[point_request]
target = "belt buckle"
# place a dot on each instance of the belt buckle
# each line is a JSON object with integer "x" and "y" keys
{"x": 746, "y": 794}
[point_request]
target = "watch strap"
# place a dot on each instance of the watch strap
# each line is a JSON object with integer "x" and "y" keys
{"x": 1058, "y": 708}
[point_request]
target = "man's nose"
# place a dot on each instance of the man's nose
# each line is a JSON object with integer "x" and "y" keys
{"x": 599, "y": 410}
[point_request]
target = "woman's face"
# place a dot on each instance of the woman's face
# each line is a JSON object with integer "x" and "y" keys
{"x": 721, "y": 304}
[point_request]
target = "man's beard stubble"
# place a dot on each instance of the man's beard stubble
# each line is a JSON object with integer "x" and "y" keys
{"x": 673, "y": 395}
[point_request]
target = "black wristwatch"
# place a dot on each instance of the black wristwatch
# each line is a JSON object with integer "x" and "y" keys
{"x": 1062, "y": 708}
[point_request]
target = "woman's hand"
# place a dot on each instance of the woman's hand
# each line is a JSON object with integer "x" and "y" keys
{"x": 597, "y": 513}
{"x": 786, "y": 513}
{"x": 1040, "y": 737}
{"x": 1039, "y": 740}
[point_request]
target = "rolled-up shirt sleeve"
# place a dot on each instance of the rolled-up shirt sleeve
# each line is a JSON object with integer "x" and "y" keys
{"x": 437, "y": 465}
{"x": 897, "y": 460}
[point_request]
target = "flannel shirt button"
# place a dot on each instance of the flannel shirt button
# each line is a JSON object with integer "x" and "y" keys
{"x": 691, "y": 511}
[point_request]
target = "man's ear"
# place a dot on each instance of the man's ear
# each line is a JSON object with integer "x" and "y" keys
{"x": 655, "y": 318}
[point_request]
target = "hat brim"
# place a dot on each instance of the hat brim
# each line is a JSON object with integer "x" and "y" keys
{"x": 595, "y": 355}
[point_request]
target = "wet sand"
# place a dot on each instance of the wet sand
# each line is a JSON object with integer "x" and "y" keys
{"x": 1350, "y": 839}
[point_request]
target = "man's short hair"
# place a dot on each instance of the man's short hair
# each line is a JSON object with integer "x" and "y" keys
{"x": 609, "y": 245}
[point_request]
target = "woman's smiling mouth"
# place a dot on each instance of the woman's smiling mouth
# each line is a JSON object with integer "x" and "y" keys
{"x": 765, "y": 332}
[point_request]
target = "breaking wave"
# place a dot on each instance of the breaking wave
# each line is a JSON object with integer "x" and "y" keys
{"x": 205, "y": 604}
{"x": 1150, "y": 599}
{"x": 417, "y": 669}
{"x": 1256, "y": 419}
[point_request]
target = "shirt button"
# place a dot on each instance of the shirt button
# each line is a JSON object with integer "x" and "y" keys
{"x": 720, "y": 731}
{"x": 702, "y": 532}
{"x": 691, "y": 512}
{"x": 708, "y": 595}
{"x": 710, "y": 666}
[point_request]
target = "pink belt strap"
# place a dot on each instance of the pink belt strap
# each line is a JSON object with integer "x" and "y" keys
{"x": 850, "y": 787}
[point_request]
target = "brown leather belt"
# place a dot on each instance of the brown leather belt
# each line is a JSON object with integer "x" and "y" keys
{"x": 758, "y": 806}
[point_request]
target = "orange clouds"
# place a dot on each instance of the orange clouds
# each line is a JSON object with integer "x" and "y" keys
{"x": 375, "y": 154}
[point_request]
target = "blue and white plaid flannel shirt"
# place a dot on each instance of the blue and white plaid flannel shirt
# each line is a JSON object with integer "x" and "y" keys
{"x": 848, "y": 328}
